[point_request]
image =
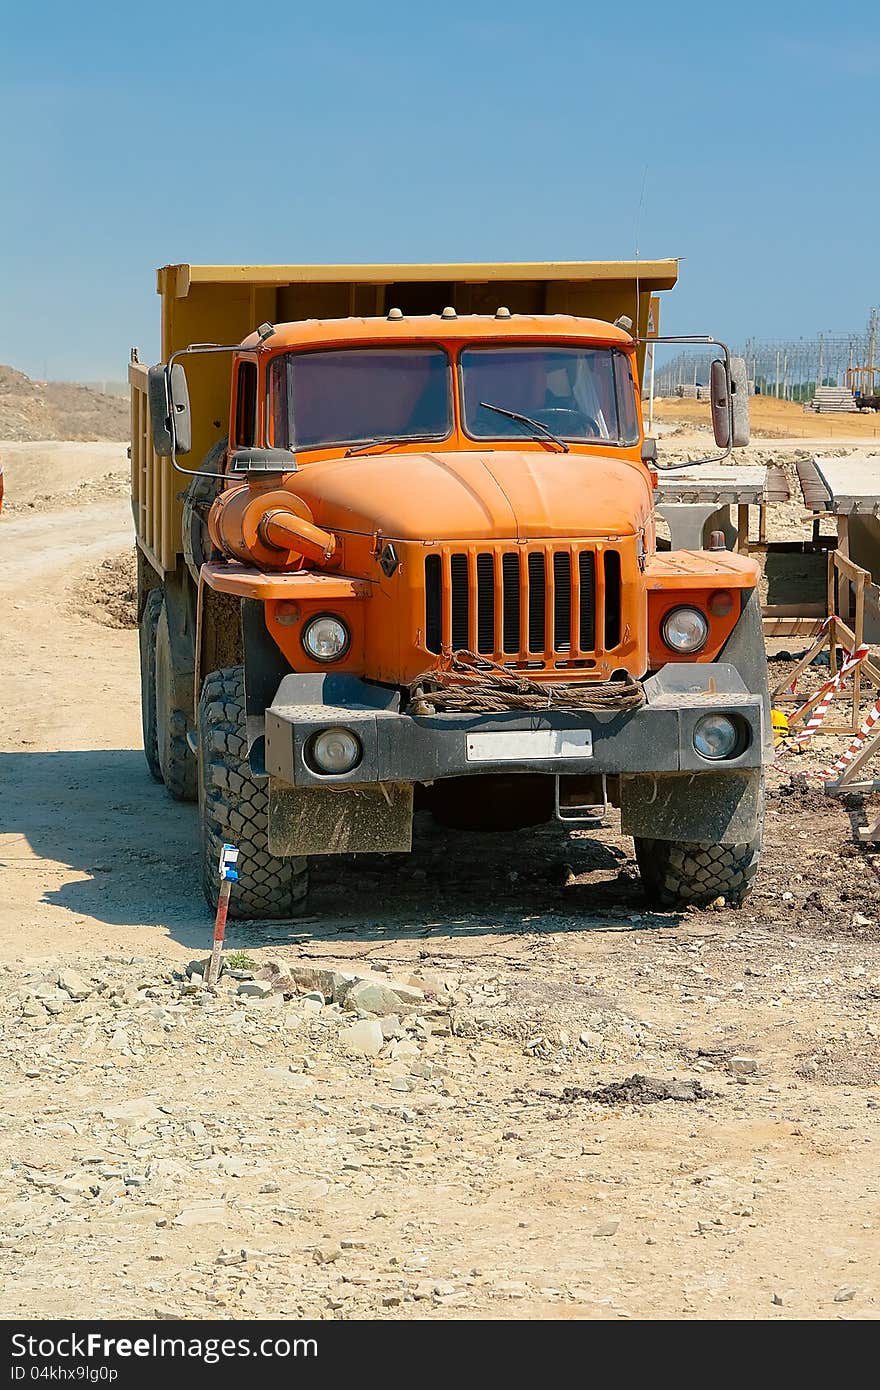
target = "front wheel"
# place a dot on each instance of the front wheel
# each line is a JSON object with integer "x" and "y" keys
{"x": 233, "y": 809}
{"x": 679, "y": 874}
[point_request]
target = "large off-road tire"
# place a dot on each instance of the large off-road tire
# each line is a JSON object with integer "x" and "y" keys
{"x": 147, "y": 638}
{"x": 176, "y": 760}
{"x": 233, "y": 809}
{"x": 676, "y": 874}
{"x": 197, "y": 547}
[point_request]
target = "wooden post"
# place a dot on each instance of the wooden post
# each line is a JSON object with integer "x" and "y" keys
{"x": 832, "y": 609}
{"x": 742, "y": 528}
{"x": 843, "y": 578}
{"x": 858, "y": 627}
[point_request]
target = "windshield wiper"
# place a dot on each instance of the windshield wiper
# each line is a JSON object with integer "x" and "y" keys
{"x": 527, "y": 420}
{"x": 389, "y": 443}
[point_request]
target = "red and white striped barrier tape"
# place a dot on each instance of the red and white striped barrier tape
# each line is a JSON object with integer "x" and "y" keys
{"x": 836, "y": 769}
{"x": 828, "y": 691}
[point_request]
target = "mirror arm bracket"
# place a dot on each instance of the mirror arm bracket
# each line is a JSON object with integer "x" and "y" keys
{"x": 192, "y": 350}
{"x": 708, "y": 341}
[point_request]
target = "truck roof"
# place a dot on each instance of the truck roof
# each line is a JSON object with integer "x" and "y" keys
{"x": 654, "y": 275}
{"x": 434, "y": 328}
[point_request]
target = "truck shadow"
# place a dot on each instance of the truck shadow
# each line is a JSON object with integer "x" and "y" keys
{"x": 98, "y": 813}
{"x": 134, "y": 857}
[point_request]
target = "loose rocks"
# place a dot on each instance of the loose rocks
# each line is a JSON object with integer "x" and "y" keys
{"x": 74, "y": 985}
{"x": 365, "y": 1038}
{"x": 255, "y": 989}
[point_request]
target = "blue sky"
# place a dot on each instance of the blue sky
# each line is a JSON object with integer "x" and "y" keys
{"x": 136, "y": 135}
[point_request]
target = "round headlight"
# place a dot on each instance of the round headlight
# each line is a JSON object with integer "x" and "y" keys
{"x": 334, "y": 751}
{"x": 685, "y": 630}
{"x": 326, "y": 638}
{"x": 715, "y": 736}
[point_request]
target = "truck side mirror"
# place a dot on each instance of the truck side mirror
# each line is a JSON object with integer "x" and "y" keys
{"x": 720, "y": 398}
{"x": 730, "y": 403}
{"x": 170, "y": 414}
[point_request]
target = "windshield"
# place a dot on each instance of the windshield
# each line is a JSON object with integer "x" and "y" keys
{"x": 355, "y": 395}
{"x": 579, "y": 393}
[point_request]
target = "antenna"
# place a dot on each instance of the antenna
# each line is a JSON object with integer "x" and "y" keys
{"x": 637, "y": 236}
{"x": 638, "y": 329}
{"x": 641, "y": 205}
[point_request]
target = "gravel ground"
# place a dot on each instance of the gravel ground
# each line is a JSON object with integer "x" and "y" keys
{"x": 214, "y": 1153}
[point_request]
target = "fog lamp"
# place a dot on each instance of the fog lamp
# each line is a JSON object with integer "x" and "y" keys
{"x": 715, "y": 736}
{"x": 334, "y": 751}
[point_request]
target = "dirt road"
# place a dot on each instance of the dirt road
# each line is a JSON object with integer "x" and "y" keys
{"x": 178, "y": 1152}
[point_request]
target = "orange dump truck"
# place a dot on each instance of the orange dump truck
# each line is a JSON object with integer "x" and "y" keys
{"x": 396, "y": 547}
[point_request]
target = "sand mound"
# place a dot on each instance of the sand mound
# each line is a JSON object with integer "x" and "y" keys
{"x": 108, "y": 593}
{"x": 58, "y": 410}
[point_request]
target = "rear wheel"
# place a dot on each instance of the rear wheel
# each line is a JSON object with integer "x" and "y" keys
{"x": 677, "y": 874}
{"x": 149, "y": 620}
{"x": 233, "y": 809}
{"x": 177, "y": 764}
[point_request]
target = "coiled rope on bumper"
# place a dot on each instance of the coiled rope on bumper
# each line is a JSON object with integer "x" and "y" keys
{"x": 465, "y": 683}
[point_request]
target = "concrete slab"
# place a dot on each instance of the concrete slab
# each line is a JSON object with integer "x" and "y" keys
{"x": 741, "y": 484}
{"x": 849, "y": 488}
{"x": 696, "y": 500}
{"x": 845, "y": 485}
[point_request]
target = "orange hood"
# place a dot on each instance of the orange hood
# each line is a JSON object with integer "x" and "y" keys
{"x": 497, "y": 495}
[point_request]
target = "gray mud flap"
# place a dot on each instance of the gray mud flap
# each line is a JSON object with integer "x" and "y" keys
{"x": 722, "y": 808}
{"x": 375, "y": 819}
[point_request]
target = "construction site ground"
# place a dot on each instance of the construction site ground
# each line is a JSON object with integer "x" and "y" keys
{"x": 780, "y": 420}
{"x": 170, "y": 1152}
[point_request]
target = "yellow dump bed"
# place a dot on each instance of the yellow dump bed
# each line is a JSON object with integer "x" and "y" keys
{"x": 224, "y": 303}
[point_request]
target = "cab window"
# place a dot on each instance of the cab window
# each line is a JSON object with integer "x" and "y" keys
{"x": 357, "y": 395}
{"x": 246, "y": 404}
{"x": 569, "y": 390}
{"x": 626, "y": 398}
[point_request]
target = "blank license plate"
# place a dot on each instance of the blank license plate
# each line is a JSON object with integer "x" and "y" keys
{"x": 521, "y": 745}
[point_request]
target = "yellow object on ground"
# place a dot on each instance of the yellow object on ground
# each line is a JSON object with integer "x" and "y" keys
{"x": 781, "y": 741}
{"x": 780, "y": 725}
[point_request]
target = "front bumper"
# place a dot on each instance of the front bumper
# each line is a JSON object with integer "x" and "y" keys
{"x": 401, "y": 748}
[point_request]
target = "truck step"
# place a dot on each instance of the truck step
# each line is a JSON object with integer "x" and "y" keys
{"x": 582, "y": 813}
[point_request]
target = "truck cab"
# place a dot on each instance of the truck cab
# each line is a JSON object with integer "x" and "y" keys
{"x": 421, "y": 571}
